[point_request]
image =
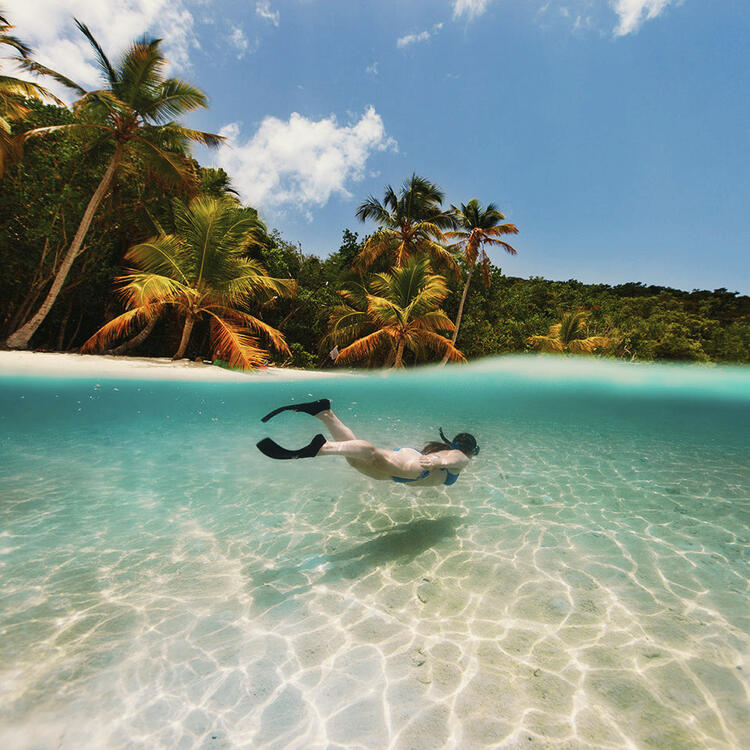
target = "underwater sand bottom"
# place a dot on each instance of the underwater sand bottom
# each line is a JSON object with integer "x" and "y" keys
{"x": 600, "y": 609}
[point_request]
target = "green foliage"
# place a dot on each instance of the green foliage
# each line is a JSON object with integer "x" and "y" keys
{"x": 644, "y": 322}
{"x": 393, "y": 313}
{"x": 41, "y": 202}
{"x": 43, "y": 197}
{"x": 202, "y": 271}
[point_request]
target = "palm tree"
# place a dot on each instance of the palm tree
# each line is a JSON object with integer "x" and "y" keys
{"x": 411, "y": 223}
{"x": 477, "y": 228}
{"x": 201, "y": 271}
{"x": 12, "y": 92}
{"x": 402, "y": 312}
{"x": 569, "y": 335}
{"x": 134, "y": 113}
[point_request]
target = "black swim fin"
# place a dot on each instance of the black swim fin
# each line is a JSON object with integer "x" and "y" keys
{"x": 312, "y": 408}
{"x": 272, "y": 449}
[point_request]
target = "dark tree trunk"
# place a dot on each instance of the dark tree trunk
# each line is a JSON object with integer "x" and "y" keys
{"x": 63, "y": 326}
{"x": 138, "y": 339}
{"x": 460, "y": 313}
{"x": 186, "y": 331}
{"x": 20, "y": 339}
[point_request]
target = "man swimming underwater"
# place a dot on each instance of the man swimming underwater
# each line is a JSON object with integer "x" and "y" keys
{"x": 437, "y": 463}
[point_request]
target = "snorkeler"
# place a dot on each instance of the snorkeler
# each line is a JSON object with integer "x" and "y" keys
{"x": 437, "y": 463}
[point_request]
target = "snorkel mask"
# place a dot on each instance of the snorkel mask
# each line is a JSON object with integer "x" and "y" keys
{"x": 463, "y": 442}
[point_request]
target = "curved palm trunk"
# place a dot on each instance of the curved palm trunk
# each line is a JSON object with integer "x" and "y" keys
{"x": 460, "y": 312}
{"x": 138, "y": 339}
{"x": 20, "y": 339}
{"x": 399, "y": 360}
{"x": 186, "y": 331}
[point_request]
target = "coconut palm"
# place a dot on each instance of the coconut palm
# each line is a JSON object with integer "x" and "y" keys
{"x": 569, "y": 335}
{"x": 411, "y": 223}
{"x": 201, "y": 271}
{"x": 478, "y": 228}
{"x": 402, "y": 312}
{"x": 12, "y": 93}
{"x": 133, "y": 112}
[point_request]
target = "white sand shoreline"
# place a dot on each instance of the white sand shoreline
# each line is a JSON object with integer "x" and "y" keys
{"x": 66, "y": 364}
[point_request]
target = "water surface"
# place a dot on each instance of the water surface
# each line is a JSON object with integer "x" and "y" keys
{"x": 583, "y": 584}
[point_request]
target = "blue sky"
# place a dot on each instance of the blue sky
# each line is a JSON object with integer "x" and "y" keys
{"x": 614, "y": 133}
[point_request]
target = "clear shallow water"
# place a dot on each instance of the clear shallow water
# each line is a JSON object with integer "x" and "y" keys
{"x": 584, "y": 584}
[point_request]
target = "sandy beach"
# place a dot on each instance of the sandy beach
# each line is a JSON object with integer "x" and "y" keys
{"x": 54, "y": 364}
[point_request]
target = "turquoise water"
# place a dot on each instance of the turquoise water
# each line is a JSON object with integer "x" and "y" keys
{"x": 583, "y": 584}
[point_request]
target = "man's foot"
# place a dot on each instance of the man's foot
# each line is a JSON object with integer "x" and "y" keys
{"x": 272, "y": 449}
{"x": 312, "y": 408}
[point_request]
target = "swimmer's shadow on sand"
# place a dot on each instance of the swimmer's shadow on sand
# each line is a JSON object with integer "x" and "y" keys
{"x": 402, "y": 543}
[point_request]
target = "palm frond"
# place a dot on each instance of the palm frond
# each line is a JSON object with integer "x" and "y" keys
{"x": 373, "y": 209}
{"x": 363, "y": 347}
{"x": 486, "y": 265}
{"x": 140, "y": 74}
{"x": 137, "y": 288}
{"x": 101, "y": 59}
{"x": 12, "y": 41}
{"x": 348, "y": 325}
{"x": 442, "y": 257}
{"x": 171, "y": 167}
{"x": 174, "y": 98}
{"x": 163, "y": 255}
{"x": 34, "y": 67}
{"x": 275, "y": 336}
{"x": 546, "y": 343}
{"x": 377, "y": 245}
{"x": 441, "y": 345}
{"x": 421, "y": 189}
{"x": 430, "y": 230}
{"x": 241, "y": 288}
{"x": 105, "y": 100}
{"x": 10, "y": 86}
{"x": 119, "y": 327}
{"x": 434, "y": 320}
{"x": 384, "y": 312}
{"x": 508, "y": 248}
{"x": 588, "y": 345}
{"x": 71, "y": 127}
{"x": 188, "y": 134}
{"x": 235, "y": 346}
{"x": 500, "y": 229}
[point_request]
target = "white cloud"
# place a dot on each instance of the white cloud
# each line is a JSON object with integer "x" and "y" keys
{"x": 590, "y": 15}
{"x": 299, "y": 161}
{"x": 632, "y": 13}
{"x": 47, "y": 25}
{"x": 405, "y": 41}
{"x": 263, "y": 9}
{"x": 423, "y": 36}
{"x": 240, "y": 41}
{"x": 469, "y": 8}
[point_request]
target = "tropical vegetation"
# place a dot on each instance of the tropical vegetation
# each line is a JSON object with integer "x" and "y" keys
{"x": 131, "y": 118}
{"x": 411, "y": 223}
{"x": 201, "y": 271}
{"x": 569, "y": 335}
{"x": 114, "y": 238}
{"x": 400, "y": 312}
{"x": 477, "y": 228}
{"x": 13, "y": 92}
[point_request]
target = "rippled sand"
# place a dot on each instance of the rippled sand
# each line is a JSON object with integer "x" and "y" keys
{"x": 583, "y": 585}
